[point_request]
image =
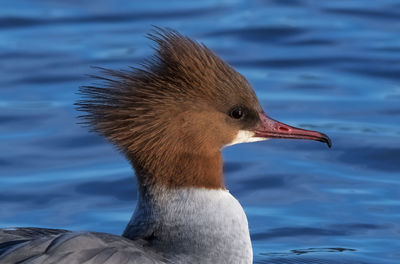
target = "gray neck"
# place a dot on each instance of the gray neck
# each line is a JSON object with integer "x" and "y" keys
{"x": 192, "y": 225}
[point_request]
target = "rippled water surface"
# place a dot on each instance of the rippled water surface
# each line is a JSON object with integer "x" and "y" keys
{"x": 332, "y": 66}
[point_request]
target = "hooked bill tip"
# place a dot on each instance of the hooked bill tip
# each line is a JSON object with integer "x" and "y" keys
{"x": 326, "y": 140}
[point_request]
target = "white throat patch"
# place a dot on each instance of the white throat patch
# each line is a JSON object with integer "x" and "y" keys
{"x": 245, "y": 136}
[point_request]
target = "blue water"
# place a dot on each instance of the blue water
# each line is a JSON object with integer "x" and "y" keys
{"x": 332, "y": 66}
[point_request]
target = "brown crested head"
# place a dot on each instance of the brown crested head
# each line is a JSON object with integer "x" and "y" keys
{"x": 177, "y": 109}
{"x": 172, "y": 117}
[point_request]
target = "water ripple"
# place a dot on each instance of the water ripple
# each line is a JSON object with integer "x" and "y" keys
{"x": 14, "y": 22}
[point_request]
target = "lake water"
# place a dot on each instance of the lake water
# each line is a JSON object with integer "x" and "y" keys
{"x": 332, "y": 66}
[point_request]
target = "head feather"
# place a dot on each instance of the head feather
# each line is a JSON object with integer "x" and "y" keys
{"x": 136, "y": 109}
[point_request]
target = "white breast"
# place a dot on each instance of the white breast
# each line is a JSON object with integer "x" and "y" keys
{"x": 193, "y": 225}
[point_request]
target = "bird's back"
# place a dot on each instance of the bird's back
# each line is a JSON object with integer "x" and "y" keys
{"x": 40, "y": 245}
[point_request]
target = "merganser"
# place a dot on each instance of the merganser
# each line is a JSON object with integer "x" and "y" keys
{"x": 170, "y": 118}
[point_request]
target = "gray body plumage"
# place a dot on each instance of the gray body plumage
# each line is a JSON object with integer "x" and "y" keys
{"x": 176, "y": 226}
{"x": 48, "y": 246}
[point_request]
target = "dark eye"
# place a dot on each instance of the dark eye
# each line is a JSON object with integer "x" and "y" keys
{"x": 237, "y": 112}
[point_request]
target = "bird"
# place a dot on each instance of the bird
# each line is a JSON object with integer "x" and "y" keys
{"x": 170, "y": 117}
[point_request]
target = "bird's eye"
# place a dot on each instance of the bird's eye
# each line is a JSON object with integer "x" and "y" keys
{"x": 237, "y": 112}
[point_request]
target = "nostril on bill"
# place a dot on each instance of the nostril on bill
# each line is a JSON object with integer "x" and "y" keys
{"x": 281, "y": 128}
